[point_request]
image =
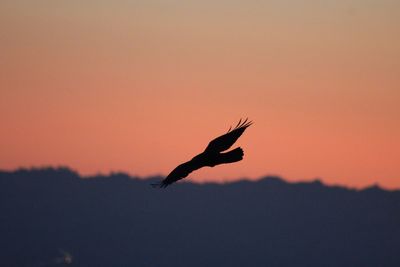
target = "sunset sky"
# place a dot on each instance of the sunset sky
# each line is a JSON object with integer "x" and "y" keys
{"x": 141, "y": 86}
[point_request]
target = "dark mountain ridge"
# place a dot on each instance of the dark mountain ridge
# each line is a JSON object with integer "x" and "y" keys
{"x": 52, "y": 217}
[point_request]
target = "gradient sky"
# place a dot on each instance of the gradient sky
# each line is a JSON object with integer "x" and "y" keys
{"x": 141, "y": 86}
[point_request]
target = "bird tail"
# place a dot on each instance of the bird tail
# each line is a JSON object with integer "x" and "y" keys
{"x": 231, "y": 156}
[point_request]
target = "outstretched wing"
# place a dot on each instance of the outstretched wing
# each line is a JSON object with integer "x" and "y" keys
{"x": 179, "y": 173}
{"x": 225, "y": 141}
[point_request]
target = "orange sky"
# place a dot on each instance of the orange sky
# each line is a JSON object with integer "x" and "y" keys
{"x": 141, "y": 86}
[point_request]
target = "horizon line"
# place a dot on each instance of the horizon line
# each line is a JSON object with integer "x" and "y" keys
{"x": 234, "y": 180}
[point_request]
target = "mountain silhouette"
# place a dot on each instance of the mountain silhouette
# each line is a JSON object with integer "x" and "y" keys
{"x": 54, "y": 217}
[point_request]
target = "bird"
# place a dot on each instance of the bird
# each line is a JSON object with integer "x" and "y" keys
{"x": 213, "y": 155}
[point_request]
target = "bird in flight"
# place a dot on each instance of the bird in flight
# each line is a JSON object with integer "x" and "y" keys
{"x": 213, "y": 155}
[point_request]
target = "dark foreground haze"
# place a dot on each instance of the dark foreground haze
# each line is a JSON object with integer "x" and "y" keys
{"x": 52, "y": 217}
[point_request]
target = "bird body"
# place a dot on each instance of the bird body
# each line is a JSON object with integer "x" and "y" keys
{"x": 213, "y": 155}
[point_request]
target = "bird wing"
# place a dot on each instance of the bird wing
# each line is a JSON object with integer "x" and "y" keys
{"x": 180, "y": 172}
{"x": 225, "y": 141}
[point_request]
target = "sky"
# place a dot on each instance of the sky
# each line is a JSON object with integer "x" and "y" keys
{"x": 142, "y": 86}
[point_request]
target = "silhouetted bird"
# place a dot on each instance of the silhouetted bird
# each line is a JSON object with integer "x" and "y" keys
{"x": 211, "y": 156}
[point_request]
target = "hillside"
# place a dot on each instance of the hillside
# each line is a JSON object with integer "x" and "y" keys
{"x": 53, "y": 217}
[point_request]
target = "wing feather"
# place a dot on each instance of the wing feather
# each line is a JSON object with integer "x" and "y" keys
{"x": 225, "y": 141}
{"x": 180, "y": 172}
